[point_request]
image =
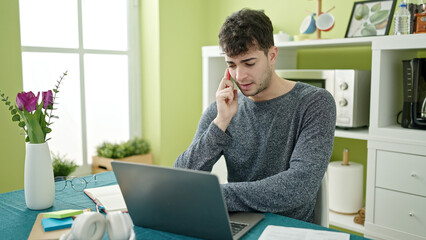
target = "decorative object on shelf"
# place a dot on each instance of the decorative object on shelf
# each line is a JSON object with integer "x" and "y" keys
{"x": 308, "y": 25}
{"x": 35, "y": 119}
{"x": 345, "y": 185}
{"x": 281, "y": 37}
{"x": 134, "y": 150}
{"x": 324, "y": 21}
{"x": 370, "y": 18}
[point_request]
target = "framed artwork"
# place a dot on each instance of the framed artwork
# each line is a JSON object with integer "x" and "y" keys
{"x": 370, "y": 18}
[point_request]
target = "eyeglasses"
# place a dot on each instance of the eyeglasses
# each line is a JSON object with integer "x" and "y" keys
{"x": 77, "y": 183}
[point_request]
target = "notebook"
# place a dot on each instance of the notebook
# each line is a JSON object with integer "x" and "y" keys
{"x": 181, "y": 201}
{"x": 107, "y": 198}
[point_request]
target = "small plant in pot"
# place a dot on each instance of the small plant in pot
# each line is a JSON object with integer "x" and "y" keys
{"x": 62, "y": 166}
{"x": 134, "y": 150}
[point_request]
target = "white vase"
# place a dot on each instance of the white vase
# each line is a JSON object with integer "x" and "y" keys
{"x": 39, "y": 184}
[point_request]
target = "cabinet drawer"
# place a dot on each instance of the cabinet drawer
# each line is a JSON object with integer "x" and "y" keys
{"x": 400, "y": 211}
{"x": 402, "y": 172}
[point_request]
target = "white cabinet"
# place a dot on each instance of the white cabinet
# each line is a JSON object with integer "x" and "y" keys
{"x": 396, "y": 168}
{"x": 396, "y": 190}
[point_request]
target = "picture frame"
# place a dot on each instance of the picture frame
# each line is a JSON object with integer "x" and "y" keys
{"x": 370, "y": 18}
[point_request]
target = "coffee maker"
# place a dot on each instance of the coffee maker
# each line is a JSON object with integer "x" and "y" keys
{"x": 414, "y": 108}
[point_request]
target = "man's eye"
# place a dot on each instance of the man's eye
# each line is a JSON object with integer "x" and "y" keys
{"x": 231, "y": 66}
{"x": 250, "y": 64}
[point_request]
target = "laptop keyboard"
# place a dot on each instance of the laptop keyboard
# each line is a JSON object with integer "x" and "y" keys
{"x": 237, "y": 227}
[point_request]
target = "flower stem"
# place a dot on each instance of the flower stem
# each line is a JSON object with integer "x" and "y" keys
{"x": 56, "y": 90}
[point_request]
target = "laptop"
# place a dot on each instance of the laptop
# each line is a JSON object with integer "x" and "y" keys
{"x": 180, "y": 201}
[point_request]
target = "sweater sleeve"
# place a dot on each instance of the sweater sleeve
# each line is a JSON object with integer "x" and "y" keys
{"x": 207, "y": 145}
{"x": 291, "y": 190}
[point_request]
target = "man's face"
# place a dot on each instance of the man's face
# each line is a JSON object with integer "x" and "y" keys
{"x": 252, "y": 71}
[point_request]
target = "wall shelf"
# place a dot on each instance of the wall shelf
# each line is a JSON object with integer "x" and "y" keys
{"x": 359, "y": 133}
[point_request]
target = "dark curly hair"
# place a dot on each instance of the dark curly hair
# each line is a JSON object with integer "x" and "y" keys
{"x": 244, "y": 29}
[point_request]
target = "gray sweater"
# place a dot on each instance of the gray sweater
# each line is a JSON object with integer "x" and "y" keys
{"x": 276, "y": 151}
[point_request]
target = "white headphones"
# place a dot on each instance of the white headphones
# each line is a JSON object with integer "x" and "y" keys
{"x": 91, "y": 225}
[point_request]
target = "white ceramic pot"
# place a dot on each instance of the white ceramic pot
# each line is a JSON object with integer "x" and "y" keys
{"x": 39, "y": 183}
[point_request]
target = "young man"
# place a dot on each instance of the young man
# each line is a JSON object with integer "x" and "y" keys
{"x": 276, "y": 135}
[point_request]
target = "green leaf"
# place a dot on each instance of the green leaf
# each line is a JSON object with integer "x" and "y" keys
{"x": 35, "y": 133}
{"x": 16, "y": 118}
{"x": 8, "y": 103}
{"x": 47, "y": 130}
{"x": 2, "y": 95}
{"x": 13, "y": 112}
{"x": 21, "y": 124}
{"x": 56, "y": 91}
{"x": 27, "y": 139}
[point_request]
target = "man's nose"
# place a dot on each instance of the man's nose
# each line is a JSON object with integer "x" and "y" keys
{"x": 240, "y": 74}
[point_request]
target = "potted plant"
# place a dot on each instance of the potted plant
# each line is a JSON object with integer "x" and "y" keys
{"x": 62, "y": 166}
{"x": 134, "y": 150}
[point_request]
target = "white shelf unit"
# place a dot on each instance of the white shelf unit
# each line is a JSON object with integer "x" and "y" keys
{"x": 385, "y": 103}
{"x": 396, "y": 168}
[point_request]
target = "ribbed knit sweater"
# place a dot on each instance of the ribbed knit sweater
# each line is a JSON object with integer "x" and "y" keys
{"x": 276, "y": 151}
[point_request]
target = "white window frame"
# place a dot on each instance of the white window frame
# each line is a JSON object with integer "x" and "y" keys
{"x": 133, "y": 53}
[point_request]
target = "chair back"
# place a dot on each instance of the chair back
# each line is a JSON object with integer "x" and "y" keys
{"x": 321, "y": 206}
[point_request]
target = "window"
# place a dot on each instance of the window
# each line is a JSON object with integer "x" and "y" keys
{"x": 96, "y": 41}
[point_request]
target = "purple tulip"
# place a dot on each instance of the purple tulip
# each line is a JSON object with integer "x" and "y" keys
{"x": 27, "y": 101}
{"x": 47, "y": 98}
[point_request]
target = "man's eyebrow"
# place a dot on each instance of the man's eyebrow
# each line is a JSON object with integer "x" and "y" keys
{"x": 247, "y": 60}
{"x": 242, "y": 61}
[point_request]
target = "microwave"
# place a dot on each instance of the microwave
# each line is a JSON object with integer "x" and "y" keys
{"x": 349, "y": 87}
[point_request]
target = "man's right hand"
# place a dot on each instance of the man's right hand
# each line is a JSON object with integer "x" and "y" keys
{"x": 227, "y": 103}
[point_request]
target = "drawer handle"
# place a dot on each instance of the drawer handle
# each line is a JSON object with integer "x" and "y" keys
{"x": 413, "y": 174}
{"x": 411, "y": 214}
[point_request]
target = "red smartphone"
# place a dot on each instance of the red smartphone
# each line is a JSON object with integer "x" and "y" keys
{"x": 228, "y": 75}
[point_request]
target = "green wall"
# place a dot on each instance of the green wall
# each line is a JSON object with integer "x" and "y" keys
{"x": 172, "y": 34}
{"x": 12, "y": 145}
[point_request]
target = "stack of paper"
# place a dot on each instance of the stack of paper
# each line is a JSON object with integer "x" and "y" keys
{"x": 288, "y": 233}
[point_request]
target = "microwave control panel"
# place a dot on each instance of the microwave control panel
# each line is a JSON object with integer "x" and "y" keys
{"x": 352, "y": 96}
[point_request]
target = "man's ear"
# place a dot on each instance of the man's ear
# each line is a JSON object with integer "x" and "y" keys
{"x": 272, "y": 54}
